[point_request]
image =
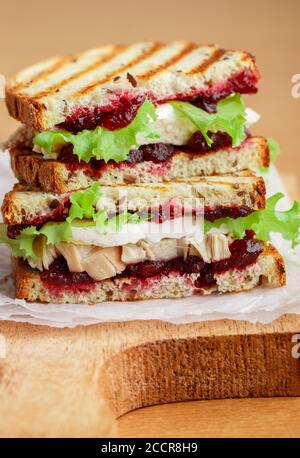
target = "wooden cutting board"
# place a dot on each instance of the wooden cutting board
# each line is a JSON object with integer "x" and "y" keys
{"x": 75, "y": 382}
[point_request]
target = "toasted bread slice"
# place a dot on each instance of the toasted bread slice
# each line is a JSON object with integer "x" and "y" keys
{"x": 59, "y": 177}
{"x": 43, "y": 95}
{"x": 23, "y": 205}
{"x": 268, "y": 270}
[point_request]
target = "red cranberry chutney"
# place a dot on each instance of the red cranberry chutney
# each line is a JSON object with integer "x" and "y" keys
{"x": 244, "y": 252}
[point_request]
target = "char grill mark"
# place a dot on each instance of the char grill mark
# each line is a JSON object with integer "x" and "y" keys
{"x": 154, "y": 48}
{"x": 118, "y": 49}
{"x": 173, "y": 60}
{"x": 212, "y": 59}
{"x": 57, "y": 65}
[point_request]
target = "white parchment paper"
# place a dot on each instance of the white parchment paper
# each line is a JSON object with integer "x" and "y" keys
{"x": 259, "y": 305}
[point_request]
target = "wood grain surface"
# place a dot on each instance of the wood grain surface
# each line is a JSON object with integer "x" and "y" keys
{"x": 75, "y": 382}
{"x": 237, "y": 418}
{"x": 58, "y": 382}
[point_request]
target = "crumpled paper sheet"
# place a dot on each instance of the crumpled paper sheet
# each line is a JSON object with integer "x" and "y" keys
{"x": 259, "y": 305}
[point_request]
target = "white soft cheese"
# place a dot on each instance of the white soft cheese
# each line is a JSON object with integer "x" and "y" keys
{"x": 170, "y": 126}
{"x": 134, "y": 232}
{"x": 251, "y": 116}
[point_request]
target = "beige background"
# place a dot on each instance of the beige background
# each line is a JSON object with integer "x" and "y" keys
{"x": 33, "y": 30}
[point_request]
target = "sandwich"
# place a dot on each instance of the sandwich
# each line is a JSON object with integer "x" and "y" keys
{"x": 145, "y": 241}
{"x": 145, "y": 113}
{"x": 137, "y": 177}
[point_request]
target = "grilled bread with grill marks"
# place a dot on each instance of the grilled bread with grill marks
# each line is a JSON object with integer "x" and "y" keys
{"x": 44, "y": 94}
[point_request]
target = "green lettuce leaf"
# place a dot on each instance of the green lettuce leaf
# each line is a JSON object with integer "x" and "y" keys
{"x": 274, "y": 149}
{"x": 230, "y": 118}
{"x": 118, "y": 221}
{"x": 101, "y": 143}
{"x": 19, "y": 248}
{"x": 22, "y": 246}
{"x": 83, "y": 207}
{"x": 100, "y": 220}
{"x": 56, "y": 232}
{"x": 83, "y": 203}
{"x": 265, "y": 221}
{"x": 26, "y": 240}
{"x": 51, "y": 141}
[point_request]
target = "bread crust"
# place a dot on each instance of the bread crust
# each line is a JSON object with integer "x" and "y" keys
{"x": 279, "y": 265}
{"x": 55, "y": 176}
{"x": 24, "y": 109}
{"x": 269, "y": 270}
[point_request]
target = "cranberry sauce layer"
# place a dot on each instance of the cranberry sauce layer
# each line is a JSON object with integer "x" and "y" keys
{"x": 58, "y": 277}
{"x": 158, "y": 215}
{"x": 169, "y": 212}
{"x": 112, "y": 117}
{"x": 125, "y": 105}
{"x": 235, "y": 211}
{"x": 157, "y": 153}
{"x": 58, "y": 212}
{"x": 243, "y": 82}
{"x": 244, "y": 252}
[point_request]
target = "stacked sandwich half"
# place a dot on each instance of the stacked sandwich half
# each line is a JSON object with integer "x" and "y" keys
{"x": 137, "y": 177}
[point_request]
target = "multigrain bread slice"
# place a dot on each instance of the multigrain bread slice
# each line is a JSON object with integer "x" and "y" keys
{"x": 268, "y": 270}
{"x": 23, "y": 205}
{"x": 59, "y": 177}
{"x": 44, "y": 94}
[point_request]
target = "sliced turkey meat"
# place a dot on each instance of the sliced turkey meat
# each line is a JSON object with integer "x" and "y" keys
{"x": 102, "y": 263}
